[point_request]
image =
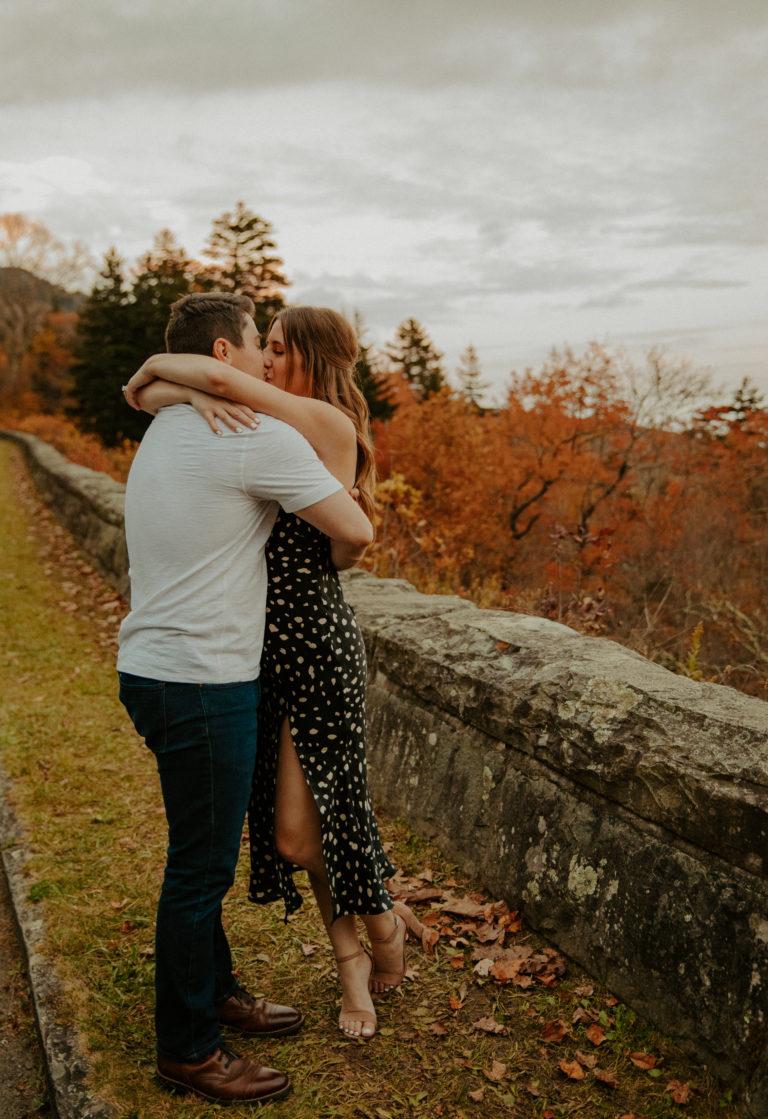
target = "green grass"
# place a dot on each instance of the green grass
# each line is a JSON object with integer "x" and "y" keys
{"x": 87, "y": 791}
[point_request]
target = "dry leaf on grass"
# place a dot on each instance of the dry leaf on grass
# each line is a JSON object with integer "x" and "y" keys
{"x": 606, "y": 1077}
{"x": 572, "y": 1069}
{"x": 643, "y": 1060}
{"x": 680, "y": 1092}
{"x": 478, "y": 1095}
{"x": 496, "y": 1072}
{"x": 554, "y": 1030}
{"x": 596, "y": 1034}
{"x": 586, "y": 1059}
{"x": 489, "y": 1026}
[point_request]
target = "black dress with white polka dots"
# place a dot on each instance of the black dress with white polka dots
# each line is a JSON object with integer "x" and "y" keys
{"x": 313, "y": 671}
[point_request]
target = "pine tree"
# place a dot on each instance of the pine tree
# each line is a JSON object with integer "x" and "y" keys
{"x": 165, "y": 275}
{"x": 470, "y": 377}
{"x": 376, "y": 389}
{"x": 415, "y": 356}
{"x": 106, "y": 354}
{"x": 242, "y": 245}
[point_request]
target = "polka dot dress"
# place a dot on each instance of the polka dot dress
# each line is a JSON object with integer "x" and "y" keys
{"x": 313, "y": 671}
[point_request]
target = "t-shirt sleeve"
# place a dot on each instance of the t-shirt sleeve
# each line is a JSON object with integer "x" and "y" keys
{"x": 280, "y": 465}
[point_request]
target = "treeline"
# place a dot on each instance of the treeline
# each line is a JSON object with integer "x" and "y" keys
{"x": 615, "y": 497}
{"x": 69, "y": 354}
{"x": 604, "y": 494}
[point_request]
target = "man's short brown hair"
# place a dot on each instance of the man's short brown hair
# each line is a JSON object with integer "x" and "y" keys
{"x": 197, "y": 320}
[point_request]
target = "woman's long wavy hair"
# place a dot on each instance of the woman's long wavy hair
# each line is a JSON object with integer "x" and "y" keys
{"x": 328, "y": 347}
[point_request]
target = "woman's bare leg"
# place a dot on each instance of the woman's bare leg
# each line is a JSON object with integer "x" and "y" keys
{"x": 298, "y": 839}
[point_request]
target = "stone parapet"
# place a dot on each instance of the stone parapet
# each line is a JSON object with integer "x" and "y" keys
{"x": 87, "y": 503}
{"x": 622, "y": 808}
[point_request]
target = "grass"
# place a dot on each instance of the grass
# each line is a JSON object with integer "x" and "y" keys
{"x": 87, "y": 791}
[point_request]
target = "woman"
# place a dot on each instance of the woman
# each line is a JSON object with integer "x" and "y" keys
{"x": 310, "y": 805}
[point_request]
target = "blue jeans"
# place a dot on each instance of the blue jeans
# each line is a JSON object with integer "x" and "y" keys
{"x": 204, "y": 739}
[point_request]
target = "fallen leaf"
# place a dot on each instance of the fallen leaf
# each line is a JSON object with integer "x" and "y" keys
{"x": 119, "y": 904}
{"x": 437, "y": 1029}
{"x": 482, "y": 968}
{"x": 611, "y": 1000}
{"x": 533, "y": 1088}
{"x": 680, "y": 1093}
{"x": 596, "y": 1034}
{"x": 585, "y": 991}
{"x": 309, "y": 949}
{"x": 455, "y": 1002}
{"x": 489, "y": 1026}
{"x": 496, "y": 1072}
{"x": 586, "y": 1059}
{"x": 606, "y": 1077}
{"x": 581, "y": 1015}
{"x": 457, "y": 962}
{"x": 572, "y": 1069}
{"x": 549, "y": 1114}
{"x": 478, "y": 1095}
{"x": 488, "y": 933}
{"x": 505, "y": 970}
{"x": 643, "y": 1060}
{"x": 501, "y": 645}
{"x": 554, "y": 1030}
{"x": 462, "y": 907}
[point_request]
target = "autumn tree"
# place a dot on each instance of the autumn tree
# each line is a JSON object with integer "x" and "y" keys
{"x": 470, "y": 376}
{"x": 35, "y": 269}
{"x": 243, "y": 249}
{"x": 415, "y": 358}
{"x": 46, "y": 365}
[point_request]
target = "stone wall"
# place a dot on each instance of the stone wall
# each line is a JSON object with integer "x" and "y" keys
{"x": 622, "y": 808}
{"x": 89, "y": 504}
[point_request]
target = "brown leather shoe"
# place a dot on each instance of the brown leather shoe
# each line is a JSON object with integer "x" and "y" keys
{"x": 225, "y": 1077}
{"x": 257, "y": 1016}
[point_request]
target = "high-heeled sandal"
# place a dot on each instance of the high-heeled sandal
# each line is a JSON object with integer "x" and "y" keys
{"x": 426, "y": 937}
{"x": 383, "y": 982}
{"x": 364, "y": 1016}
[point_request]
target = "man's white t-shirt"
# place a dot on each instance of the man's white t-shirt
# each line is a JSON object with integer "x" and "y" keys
{"x": 198, "y": 510}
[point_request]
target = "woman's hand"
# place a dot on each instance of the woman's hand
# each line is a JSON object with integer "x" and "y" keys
{"x": 141, "y": 377}
{"x": 216, "y": 410}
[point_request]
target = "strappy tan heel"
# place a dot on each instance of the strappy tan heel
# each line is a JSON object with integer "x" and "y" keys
{"x": 414, "y": 927}
{"x": 364, "y": 1016}
{"x": 383, "y": 982}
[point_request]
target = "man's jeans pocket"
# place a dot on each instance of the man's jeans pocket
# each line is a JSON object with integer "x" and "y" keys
{"x": 144, "y": 700}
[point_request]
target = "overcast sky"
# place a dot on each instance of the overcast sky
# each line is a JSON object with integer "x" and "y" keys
{"x": 515, "y": 174}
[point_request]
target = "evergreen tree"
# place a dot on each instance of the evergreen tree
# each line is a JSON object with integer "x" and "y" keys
{"x": 165, "y": 275}
{"x": 376, "y": 389}
{"x": 106, "y": 355}
{"x": 414, "y": 355}
{"x": 470, "y": 377}
{"x": 242, "y": 245}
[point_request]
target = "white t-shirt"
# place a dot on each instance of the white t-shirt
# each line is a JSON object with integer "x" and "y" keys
{"x": 198, "y": 510}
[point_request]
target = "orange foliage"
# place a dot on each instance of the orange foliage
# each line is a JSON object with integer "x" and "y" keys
{"x": 69, "y": 440}
{"x": 565, "y": 504}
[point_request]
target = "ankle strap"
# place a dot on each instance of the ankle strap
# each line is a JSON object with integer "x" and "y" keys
{"x": 351, "y": 956}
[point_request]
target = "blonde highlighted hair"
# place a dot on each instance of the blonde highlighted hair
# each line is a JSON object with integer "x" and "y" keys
{"x": 328, "y": 347}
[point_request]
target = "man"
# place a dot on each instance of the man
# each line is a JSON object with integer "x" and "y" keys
{"x": 198, "y": 511}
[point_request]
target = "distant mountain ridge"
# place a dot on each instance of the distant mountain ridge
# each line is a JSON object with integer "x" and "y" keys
{"x": 18, "y": 281}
